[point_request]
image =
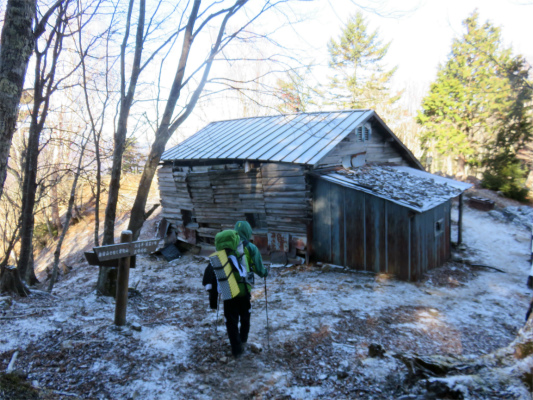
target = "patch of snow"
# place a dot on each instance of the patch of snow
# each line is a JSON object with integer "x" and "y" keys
{"x": 107, "y": 366}
{"x": 378, "y": 369}
{"x": 19, "y": 333}
{"x": 165, "y": 339}
{"x": 304, "y": 392}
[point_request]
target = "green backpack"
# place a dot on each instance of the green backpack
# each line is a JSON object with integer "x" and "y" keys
{"x": 230, "y": 265}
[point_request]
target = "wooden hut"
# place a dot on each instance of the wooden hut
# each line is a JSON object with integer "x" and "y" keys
{"x": 299, "y": 180}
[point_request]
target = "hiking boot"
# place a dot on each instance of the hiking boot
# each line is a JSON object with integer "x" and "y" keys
{"x": 241, "y": 352}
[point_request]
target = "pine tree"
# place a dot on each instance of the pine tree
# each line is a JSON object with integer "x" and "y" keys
{"x": 360, "y": 79}
{"x": 476, "y": 110}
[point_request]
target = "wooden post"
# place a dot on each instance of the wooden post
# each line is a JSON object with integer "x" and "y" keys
{"x": 122, "y": 283}
{"x": 530, "y": 277}
{"x": 531, "y": 257}
{"x": 460, "y": 222}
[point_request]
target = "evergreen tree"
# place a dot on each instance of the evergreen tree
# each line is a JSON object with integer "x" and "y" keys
{"x": 360, "y": 79}
{"x": 477, "y": 111}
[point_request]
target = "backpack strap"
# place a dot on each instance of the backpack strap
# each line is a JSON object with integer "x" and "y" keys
{"x": 241, "y": 268}
{"x": 222, "y": 267}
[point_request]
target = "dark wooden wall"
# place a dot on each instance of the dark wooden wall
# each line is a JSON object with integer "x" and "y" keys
{"x": 217, "y": 196}
{"x": 364, "y": 232}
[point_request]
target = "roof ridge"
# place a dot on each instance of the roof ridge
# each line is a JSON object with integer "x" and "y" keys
{"x": 291, "y": 114}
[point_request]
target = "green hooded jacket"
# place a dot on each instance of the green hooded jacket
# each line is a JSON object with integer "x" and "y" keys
{"x": 255, "y": 261}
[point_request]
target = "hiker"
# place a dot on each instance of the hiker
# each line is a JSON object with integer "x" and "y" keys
{"x": 253, "y": 256}
{"x": 235, "y": 279}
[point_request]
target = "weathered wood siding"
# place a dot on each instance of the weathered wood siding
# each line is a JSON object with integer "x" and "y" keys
{"x": 277, "y": 195}
{"x": 222, "y": 197}
{"x": 172, "y": 201}
{"x": 175, "y": 199}
{"x": 431, "y": 249}
{"x": 365, "y": 232}
{"x": 380, "y": 148}
{"x": 287, "y": 198}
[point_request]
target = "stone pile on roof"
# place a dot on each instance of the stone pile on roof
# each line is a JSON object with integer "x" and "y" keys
{"x": 417, "y": 189}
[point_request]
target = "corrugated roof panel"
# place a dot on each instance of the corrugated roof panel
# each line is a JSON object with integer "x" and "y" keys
{"x": 284, "y": 127}
{"x": 174, "y": 152}
{"x": 292, "y": 136}
{"x": 302, "y": 138}
{"x": 239, "y": 139}
{"x": 325, "y": 145}
{"x": 219, "y": 138}
{"x": 190, "y": 145}
{"x": 325, "y": 130}
{"x": 320, "y": 129}
{"x": 264, "y": 135}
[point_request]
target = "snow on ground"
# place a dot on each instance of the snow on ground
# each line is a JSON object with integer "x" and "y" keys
{"x": 322, "y": 322}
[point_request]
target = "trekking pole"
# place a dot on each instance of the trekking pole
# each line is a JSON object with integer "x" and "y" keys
{"x": 216, "y": 320}
{"x": 266, "y": 300}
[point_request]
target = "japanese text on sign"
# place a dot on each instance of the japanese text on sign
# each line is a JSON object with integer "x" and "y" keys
{"x": 115, "y": 251}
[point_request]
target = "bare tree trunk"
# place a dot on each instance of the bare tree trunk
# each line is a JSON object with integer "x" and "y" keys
{"x": 122, "y": 126}
{"x": 461, "y": 167}
{"x": 107, "y": 276}
{"x": 28, "y": 195}
{"x": 30, "y": 277}
{"x": 44, "y": 87}
{"x": 54, "y": 204}
{"x": 166, "y": 128}
{"x": 15, "y": 51}
{"x": 68, "y": 217}
{"x": 10, "y": 281}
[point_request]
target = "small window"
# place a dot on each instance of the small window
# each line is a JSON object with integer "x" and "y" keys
{"x": 367, "y": 130}
{"x": 363, "y": 133}
{"x": 256, "y": 220}
{"x": 359, "y": 134}
{"x": 439, "y": 227}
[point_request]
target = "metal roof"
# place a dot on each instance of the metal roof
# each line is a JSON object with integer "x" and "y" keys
{"x": 303, "y": 138}
{"x": 418, "y": 190}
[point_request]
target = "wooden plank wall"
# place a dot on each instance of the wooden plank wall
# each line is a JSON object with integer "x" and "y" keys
{"x": 368, "y": 233}
{"x": 219, "y": 195}
{"x": 170, "y": 195}
{"x": 378, "y": 149}
{"x": 287, "y": 198}
{"x": 322, "y": 225}
{"x": 428, "y": 249}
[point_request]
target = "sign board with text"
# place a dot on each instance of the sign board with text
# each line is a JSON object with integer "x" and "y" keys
{"x": 121, "y": 250}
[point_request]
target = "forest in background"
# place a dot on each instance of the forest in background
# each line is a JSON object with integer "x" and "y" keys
{"x": 108, "y": 84}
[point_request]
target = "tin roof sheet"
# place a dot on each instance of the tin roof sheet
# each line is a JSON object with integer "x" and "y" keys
{"x": 302, "y": 138}
{"x": 409, "y": 187}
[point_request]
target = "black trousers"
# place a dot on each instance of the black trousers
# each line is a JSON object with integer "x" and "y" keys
{"x": 238, "y": 308}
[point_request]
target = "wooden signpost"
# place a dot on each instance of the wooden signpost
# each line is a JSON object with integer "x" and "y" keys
{"x": 123, "y": 253}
